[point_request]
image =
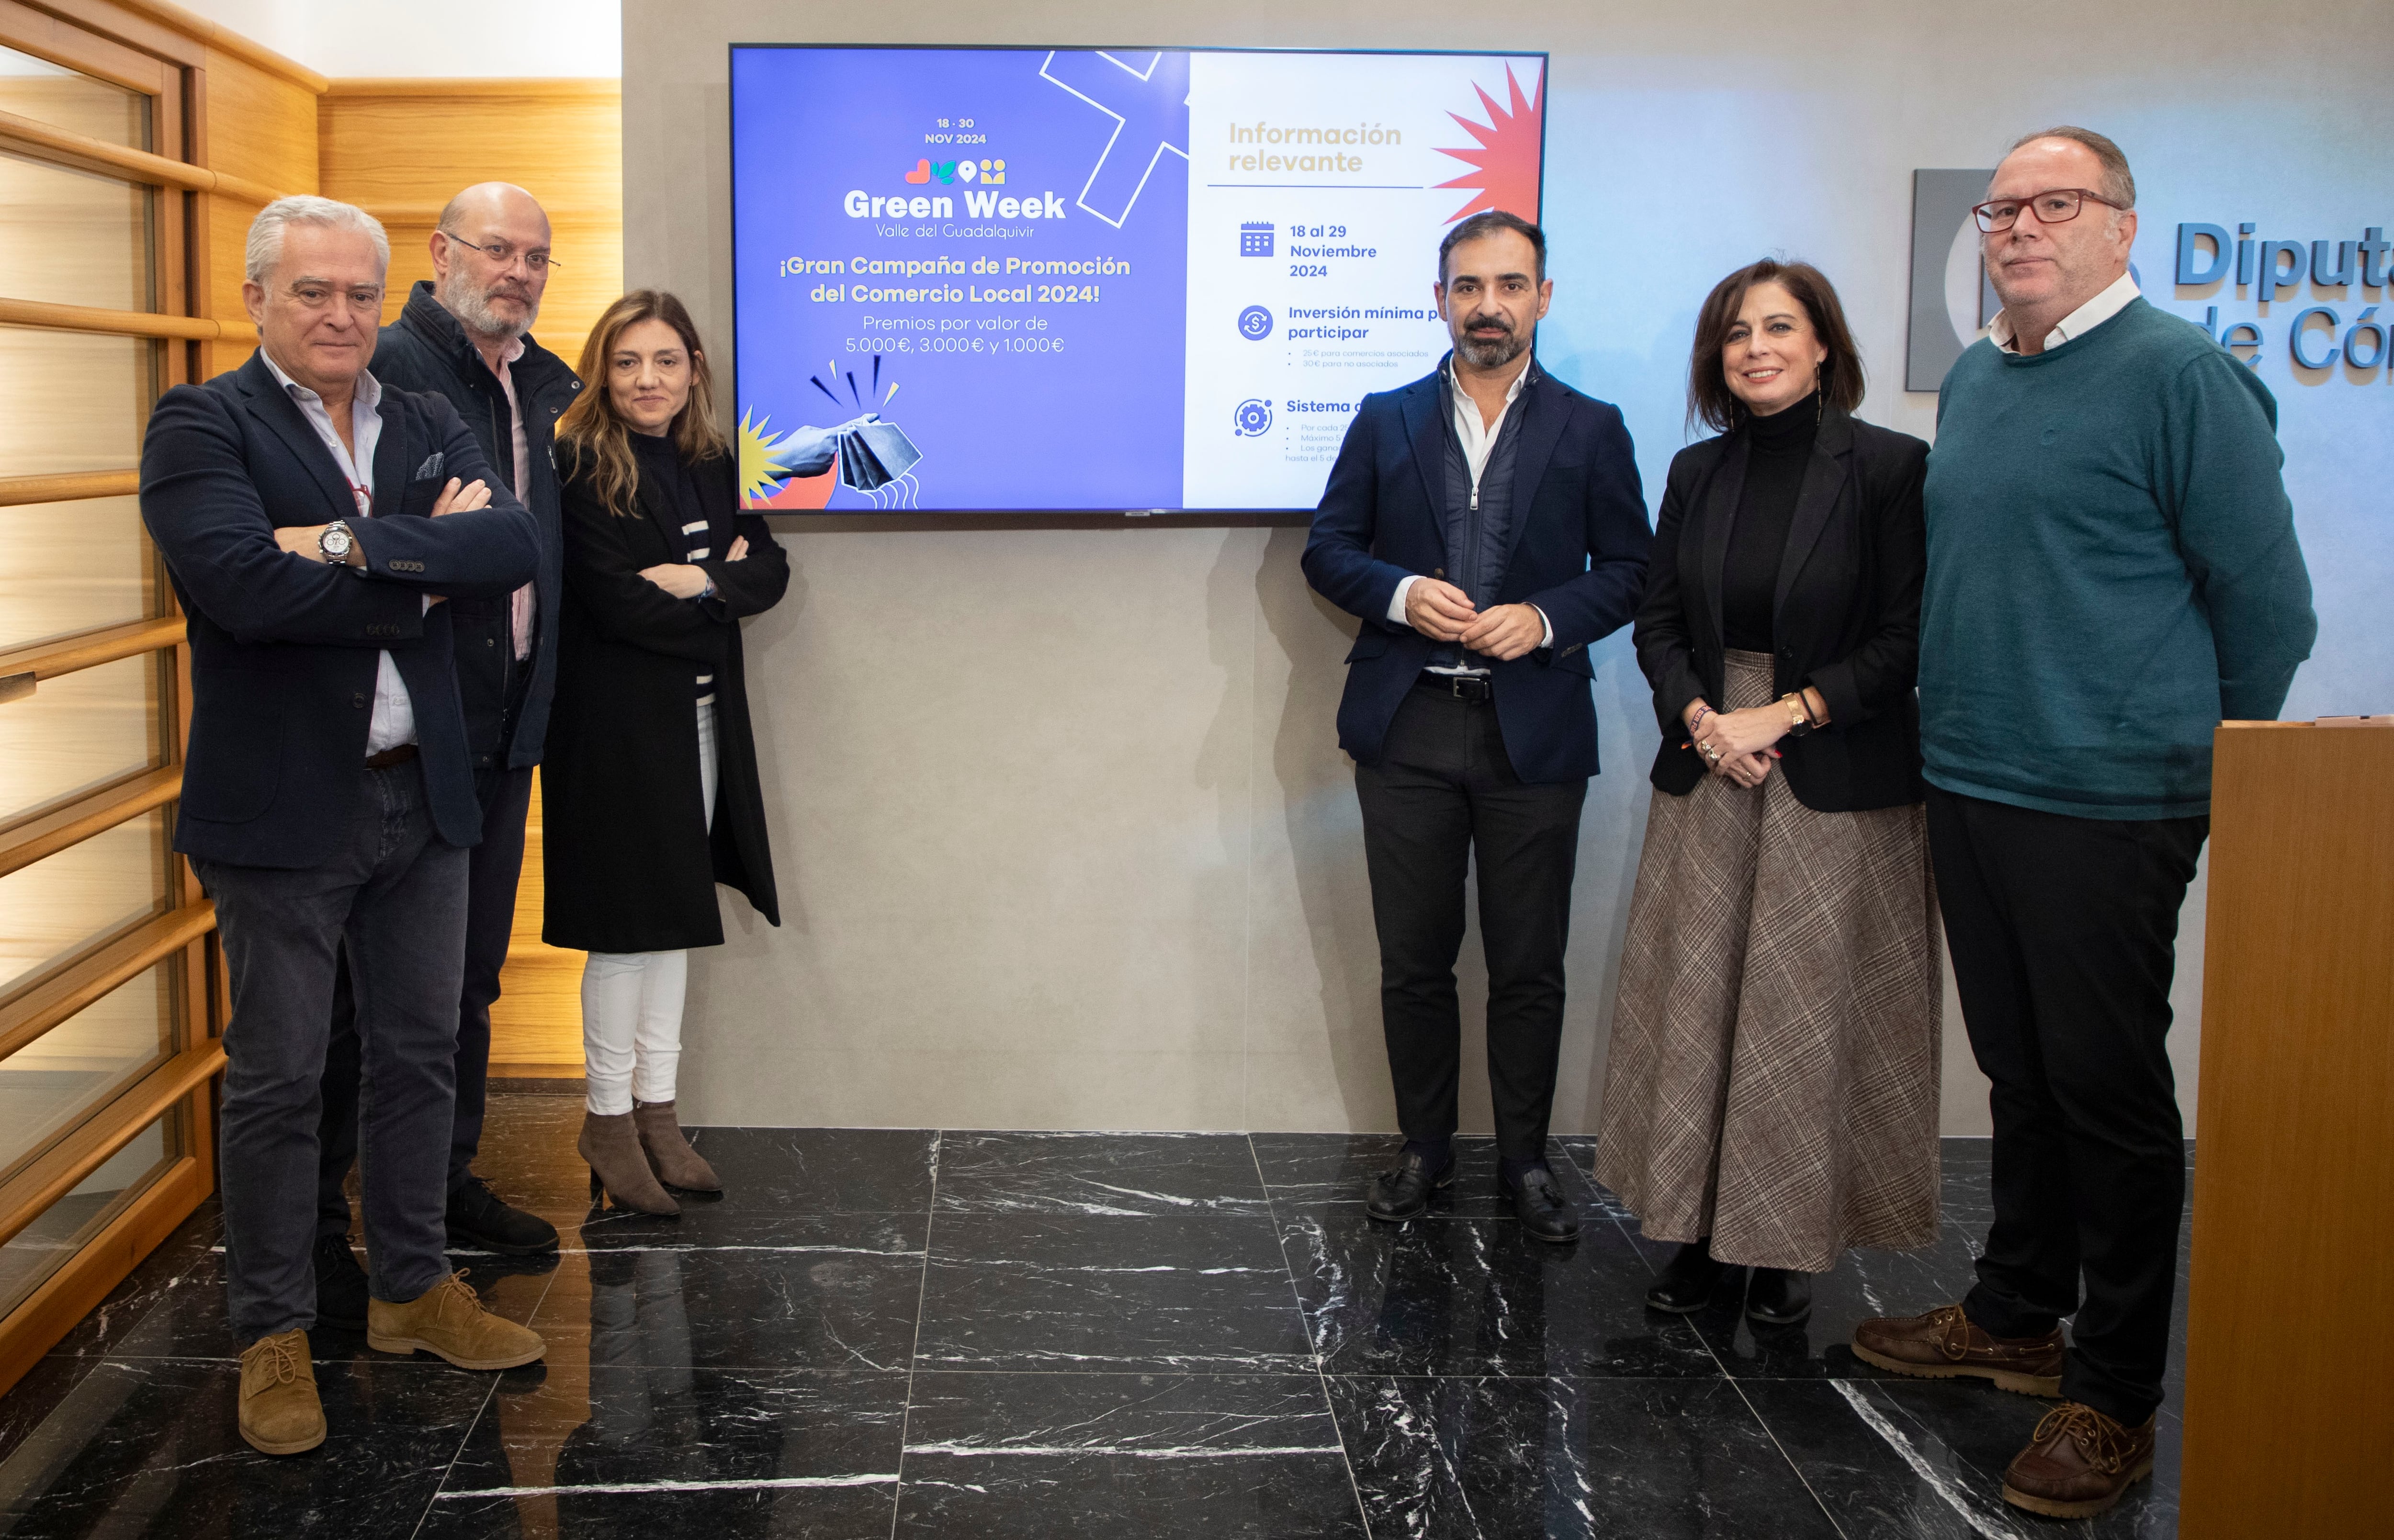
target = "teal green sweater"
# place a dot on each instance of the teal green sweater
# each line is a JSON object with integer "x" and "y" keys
{"x": 2112, "y": 569}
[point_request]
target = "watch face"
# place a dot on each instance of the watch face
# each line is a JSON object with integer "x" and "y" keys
{"x": 334, "y": 540}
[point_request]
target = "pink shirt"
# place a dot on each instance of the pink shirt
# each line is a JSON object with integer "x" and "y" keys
{"x": 519, "y": 603}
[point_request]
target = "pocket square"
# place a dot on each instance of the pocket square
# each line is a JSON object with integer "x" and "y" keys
{"x": 430, "y": 468}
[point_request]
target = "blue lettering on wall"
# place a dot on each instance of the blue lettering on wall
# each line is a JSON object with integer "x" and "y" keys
{"x": 2272, "y": 268}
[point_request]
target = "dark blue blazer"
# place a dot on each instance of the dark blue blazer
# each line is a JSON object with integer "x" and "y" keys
{"x": 1579, "y": 545}
{"x": 284, "y": 649}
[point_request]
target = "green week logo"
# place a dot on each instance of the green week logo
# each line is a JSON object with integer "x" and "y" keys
{"x": 988, "y": 172}
{"x": 975, "y": 181}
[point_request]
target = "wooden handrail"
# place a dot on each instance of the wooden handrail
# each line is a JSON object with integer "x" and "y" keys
{"x": 30, "y": 841}
{"x": 17, "y": 490}
{"x": 59, "y": 1169}
{"x": 89, "y": 318}
{"x": 34, "y": 1010}
{"x": 25, "y": 133}
{"x": 90, "y": 649}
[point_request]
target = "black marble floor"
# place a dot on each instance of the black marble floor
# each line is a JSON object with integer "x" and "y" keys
{"x": 893, "y": 1332}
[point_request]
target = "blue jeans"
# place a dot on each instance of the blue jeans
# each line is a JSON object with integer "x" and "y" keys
{"x": 394, "y": 895}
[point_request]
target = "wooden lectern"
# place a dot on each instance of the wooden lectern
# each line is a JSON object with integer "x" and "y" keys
{"x": 2289, "y": 1314}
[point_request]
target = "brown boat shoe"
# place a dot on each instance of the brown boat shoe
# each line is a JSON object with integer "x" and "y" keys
{"x": 448, "y": 1319}
{"x": 280, "y": 1411}
{"x": 1944, "y": 1344}
{"x": 2077, "y": 1463}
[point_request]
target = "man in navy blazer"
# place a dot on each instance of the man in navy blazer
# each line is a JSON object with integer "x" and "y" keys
{"x": 1487, "y": 526}
{"x": 314, "y": 523}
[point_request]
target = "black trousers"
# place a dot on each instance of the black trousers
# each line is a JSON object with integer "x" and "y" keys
{"x": 1443, "y": 792}
{"x": 493, "y": 868}
{"x": 2064, "y": 935}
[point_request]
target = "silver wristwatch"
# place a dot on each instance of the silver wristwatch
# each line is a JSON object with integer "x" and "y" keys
{"x": 336, "y": 541}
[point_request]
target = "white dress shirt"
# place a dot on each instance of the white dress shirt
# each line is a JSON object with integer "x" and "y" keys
{"x": 1478, "y": 441}
{"x": 520, "y": 603}
{"x": 394, "y": 714}
{"x": 2077, "y": 323}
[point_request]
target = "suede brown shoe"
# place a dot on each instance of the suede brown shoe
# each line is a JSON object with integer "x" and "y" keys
{"x": 280, "y": 1413}
{"x": 2077, "y": 1463}
{"x": 1943, "y": 1344}
{"x": 448, "y": 1321}
{"x": 619, "y": 1167}
{"x": 670, "y": 1156}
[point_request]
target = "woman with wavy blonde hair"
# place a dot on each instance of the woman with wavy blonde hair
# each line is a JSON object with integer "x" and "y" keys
{"x": 650, "y": 790}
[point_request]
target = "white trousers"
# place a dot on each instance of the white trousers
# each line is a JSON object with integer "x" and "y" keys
{"x": 631, "y": 1001}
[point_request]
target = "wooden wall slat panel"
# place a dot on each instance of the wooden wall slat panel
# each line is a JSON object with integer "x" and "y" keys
{"x": 565, "y": 149}
{"x": 261, "y": 127}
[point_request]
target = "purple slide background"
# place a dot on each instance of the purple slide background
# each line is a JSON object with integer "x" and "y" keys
{"x": 1095, "y": 426}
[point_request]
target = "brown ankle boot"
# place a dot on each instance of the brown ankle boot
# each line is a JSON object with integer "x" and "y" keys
{"x": 676, "y": 1162}
{"x": 617, "y": 1166}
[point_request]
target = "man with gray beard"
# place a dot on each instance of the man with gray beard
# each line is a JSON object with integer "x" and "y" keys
{"x": 466, "y": 335}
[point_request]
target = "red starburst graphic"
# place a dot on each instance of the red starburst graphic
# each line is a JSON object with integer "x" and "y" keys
{"x": 1505, "y": 164}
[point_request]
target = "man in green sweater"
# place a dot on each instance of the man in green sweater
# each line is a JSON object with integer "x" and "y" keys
{"x": 2112, "y": 570}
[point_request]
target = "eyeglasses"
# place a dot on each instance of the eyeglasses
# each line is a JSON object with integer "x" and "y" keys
{"x": 503, "y": 253}
{"x": 2054, "y": 206}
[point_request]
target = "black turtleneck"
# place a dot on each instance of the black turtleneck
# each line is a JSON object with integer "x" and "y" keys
{"x": 1779, "y": 446}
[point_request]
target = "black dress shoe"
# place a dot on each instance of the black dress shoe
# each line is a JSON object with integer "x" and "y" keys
{"x": 340, "y": 1286}
{"x": 1688, "y": 1281}
{"x": 480, "y": 1220}
{"x": 1545, "y": 1212}
{"x": 1402, "y": 1191}
{"x": 1779, "y": 1297}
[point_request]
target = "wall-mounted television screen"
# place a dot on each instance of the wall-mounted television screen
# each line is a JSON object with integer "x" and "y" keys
{"x": 1126, "y": 280}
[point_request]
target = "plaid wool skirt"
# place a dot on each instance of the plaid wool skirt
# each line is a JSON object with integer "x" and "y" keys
{"x": 1776, "y": 1043}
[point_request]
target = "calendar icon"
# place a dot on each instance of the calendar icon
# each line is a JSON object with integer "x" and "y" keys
{"x": 1255, "y": 240}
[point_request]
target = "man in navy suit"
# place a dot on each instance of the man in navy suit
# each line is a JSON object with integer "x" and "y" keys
{"x": 1486, "y": 524}
{"x": 314, "y": 523}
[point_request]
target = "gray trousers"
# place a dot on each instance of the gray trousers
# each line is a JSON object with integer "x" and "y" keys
{"x": 395, "y": 895}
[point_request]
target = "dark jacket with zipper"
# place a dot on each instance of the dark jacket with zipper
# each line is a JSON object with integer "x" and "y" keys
{"x": 507, "y": 704}
{"x": 630, "y": 862}
{"x": 1845, "y": 617}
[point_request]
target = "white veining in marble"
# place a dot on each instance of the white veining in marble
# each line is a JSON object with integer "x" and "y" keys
{"x": 759, "y": 1484}
{"x": 1982, "y": 1520}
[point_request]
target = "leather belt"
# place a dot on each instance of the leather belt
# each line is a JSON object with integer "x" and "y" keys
{"x": 1462, "y": 687}
{"x": 392, "y": 757}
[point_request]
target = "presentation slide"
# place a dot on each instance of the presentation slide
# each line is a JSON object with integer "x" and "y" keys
{"x": 1133, "y": 282}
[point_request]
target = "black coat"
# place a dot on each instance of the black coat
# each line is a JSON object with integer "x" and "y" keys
{"x": 425, "y": 350}
{"x": 285, "y": 651}
{"x": 1845, "y": 620}
{"x": 630, "y": 864}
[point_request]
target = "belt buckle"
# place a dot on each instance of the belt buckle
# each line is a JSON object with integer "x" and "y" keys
{"x": 1468, "y": 686}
